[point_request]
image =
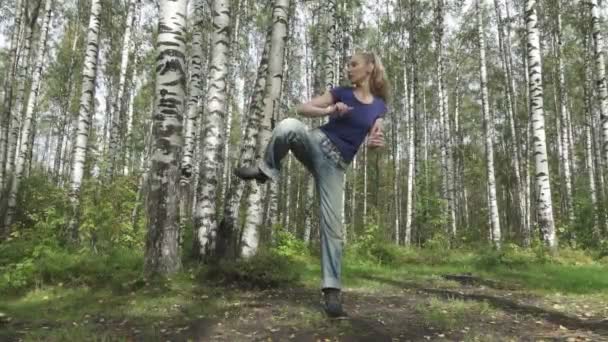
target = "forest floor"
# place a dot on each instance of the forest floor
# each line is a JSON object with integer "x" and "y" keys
{"x": 445, "y": 302}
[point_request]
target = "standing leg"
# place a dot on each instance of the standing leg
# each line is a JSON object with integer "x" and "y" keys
{"x": 330, "y": 187}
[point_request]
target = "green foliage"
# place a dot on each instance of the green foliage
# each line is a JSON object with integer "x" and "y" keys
{"x": 34, "y": 253}
{"x": 106, "y": 214}
{"x": 47, "y": 263}
{"x": 509, "y": 255}
{"x": 372, "y": 246}
{"x": 287, "y": 244}
{"x": 266, "y": 269}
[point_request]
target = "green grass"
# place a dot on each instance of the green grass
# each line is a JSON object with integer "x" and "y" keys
{"x": 451, "y": 313}
{"x": 72, "y": 305}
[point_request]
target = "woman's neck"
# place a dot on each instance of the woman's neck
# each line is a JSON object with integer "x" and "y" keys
{"x": 363, "y": 90}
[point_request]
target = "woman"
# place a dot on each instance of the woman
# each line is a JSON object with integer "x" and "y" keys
{"x": 326, "y": 151}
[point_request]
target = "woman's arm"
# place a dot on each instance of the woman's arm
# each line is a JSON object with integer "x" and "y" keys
{"x": 318, "y": 106}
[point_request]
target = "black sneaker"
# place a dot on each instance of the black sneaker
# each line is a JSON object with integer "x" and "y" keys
{"x": 333, "y": 304}
{"x": 251, "y": 173}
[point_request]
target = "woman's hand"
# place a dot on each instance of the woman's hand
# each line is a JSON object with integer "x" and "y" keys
{"x": 338, "y": 109}
{"x": 376, "y": 137}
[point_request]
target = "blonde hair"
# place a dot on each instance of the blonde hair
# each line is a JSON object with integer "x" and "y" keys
{"x": 378, "y": 84}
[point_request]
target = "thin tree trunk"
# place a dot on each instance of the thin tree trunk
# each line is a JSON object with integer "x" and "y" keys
{"x": 246, "y": 158}
{"x": 28, "y": 120}
{"x": 9, "y": 79}
{"x": 563, "y": 118}
{"x": 489, "y": 133}
{"x": 205, "y": 222}
{"x": 85, "y": 115}
{"x": 505, "y": 54}
{"x": 117, "y": 104}
{"x": 543, "y": 186}
{"x": 602, "y": 86}
{"x": 444, "y": 124}
{"x": 17, "y": 108}
{"x": 280, "y": 17}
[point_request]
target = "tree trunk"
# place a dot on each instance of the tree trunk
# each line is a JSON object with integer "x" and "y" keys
{"x": 444, "y": 126}
{"x": 489, "y": 133}
{"x": 205, "y": 222}
{"x": 505, "y": 56}
{"x": 162, "y": 242}
{"x": 227, "y": 230}
{"x": 543, "y": 186}
{"x": 565, "y": 156}
{"x": 17, "y": 108}
{"x": 117, "y": 105}
{"x": 85, "y": 115}
{"x": 274, "y": 80}
{"x": 28, "y": 120}
{"x": 9, "y": 79}
{"x": 602, "y": 86}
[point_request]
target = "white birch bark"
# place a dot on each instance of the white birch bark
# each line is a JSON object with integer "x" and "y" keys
{"x": 565, "y": 155}
{"x": 17, "y": 108}
{"x": 488, "y": 132}
{"x": 602, "y": 86}
{"x": 544, "y": 207}
{"x": 195, "y": 91}
{"x": 247, "y": 156}
{"x": 411, "y": 165}
{"x": 505, "y": 57}
{"x": 85, "y": 115}
{"x": 280, "y": 17}
{"x": 162, "y": 255}
{"x": 28, "y": 119}
{"x": 5, "y": 120}
{"x": 117, "y": 104}
{"x": 205, "y": 222}
{"x": 589, "y": 156}
{"x": 444, "y": 126}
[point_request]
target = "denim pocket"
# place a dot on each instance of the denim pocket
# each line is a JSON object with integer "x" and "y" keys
{"x": 331, "y": 152}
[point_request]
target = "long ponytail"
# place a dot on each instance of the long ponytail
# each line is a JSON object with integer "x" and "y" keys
{"x": 378, "y": 84}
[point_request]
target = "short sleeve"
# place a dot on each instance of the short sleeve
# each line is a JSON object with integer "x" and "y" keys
{"x": 383, "y": 110}
{"x": 336, "y": 94}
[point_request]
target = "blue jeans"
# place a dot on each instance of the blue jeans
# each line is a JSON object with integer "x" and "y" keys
{"x": 320, "y": 156}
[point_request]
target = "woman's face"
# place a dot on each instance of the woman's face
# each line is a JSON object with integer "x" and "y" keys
{"x": 358, "y": 69}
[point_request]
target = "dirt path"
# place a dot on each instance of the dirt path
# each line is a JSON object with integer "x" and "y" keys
{"x": 467, "y": 311}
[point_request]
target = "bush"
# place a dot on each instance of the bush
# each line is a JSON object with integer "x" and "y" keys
{"x": 373, "y": 247}
{"x": 266, "y": 269}
{"x": 509, "y": 255}
{"x": 287, "y": 244}
{"x": 51, "y": 264}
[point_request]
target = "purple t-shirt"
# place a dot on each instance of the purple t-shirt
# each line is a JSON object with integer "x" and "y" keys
{"x": 348, "y": 131}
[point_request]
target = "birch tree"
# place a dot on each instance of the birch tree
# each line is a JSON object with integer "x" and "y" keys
{"x": 274, "y": 79}
{"x": 444, "y": 126}
{"x": 9, "y": 78}
{"x": 246, "y": 156}
{"x": 85, "y": 115}
{"x": 565, "y": 157}
{"x": 600, "y": 68}
{"x": 162, "y": 254}
{"x": 117, "y": 107}
{"x": 205, "y": 222}
{"x": 544, "y": 206}
{"x": 488, "y": 132}
{"x": 28, "y": 119}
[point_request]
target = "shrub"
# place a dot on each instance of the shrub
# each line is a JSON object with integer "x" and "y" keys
{"x": 287, "y": 244}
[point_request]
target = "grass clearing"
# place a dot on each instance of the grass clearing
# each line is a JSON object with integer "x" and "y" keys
{"x": 151, "y": 309}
